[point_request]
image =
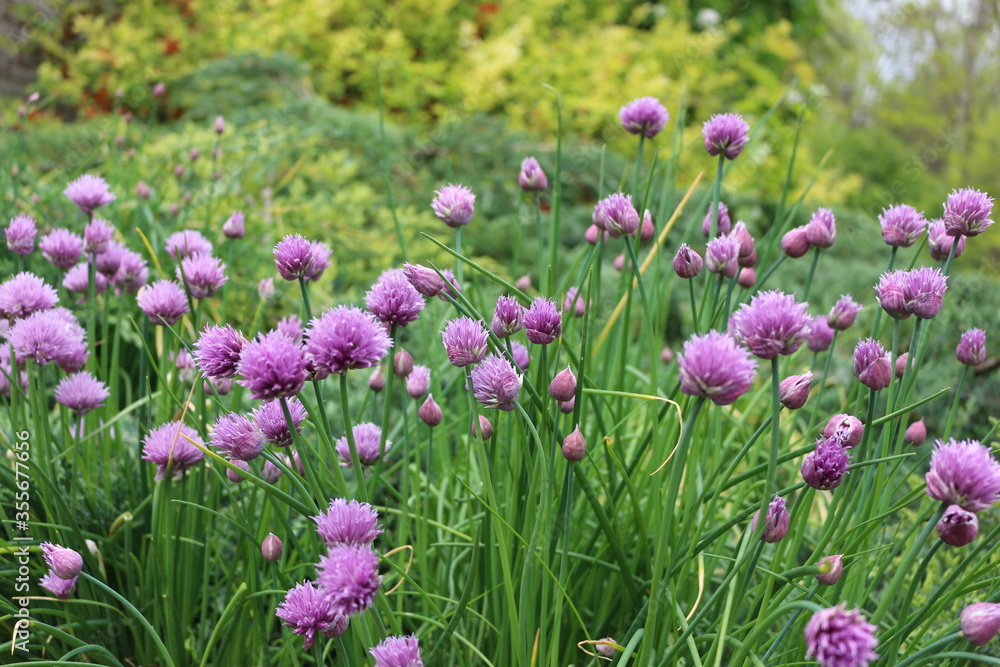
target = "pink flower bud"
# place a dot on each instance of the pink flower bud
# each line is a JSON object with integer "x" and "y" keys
{"x": 64, "y": 563}
{"x": 916, "y": 433}
{"x": 566, "y": 407}
{"x": 666, "y": 355}
{"x": 430, "y": 412}
{"x": 563, "y": 385}
{"x": 747, "y": 277}
{"x": 485, "y": 426}
{"x": 794, "y": 390}
{"x": 402, "y": 364}
{"x": 794, "y": 242}
{"x": 901, "y": 364}
{"x": 574, "y": 446}
{"x": 376, "y": 381}
{"x": 958, "y": 527}
{"x": 830, "y": 569}
{"x": 846, "y": 429}
{"x": 271, "y": 547}
{"x": 981, "y": 622}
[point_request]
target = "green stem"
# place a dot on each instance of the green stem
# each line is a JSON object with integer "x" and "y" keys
{"x": 716, "y": 196}
{"x": 812, "y": 271}
{"x": 134, "y": 612}
{"x": 954, "y": 403}
{"x": 349, "y": 434}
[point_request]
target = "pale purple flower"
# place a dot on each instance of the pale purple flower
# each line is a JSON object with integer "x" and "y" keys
{"x": 795, "y": 243}
{"x": 645, "y": 116}
{"x": 923, "y": 292}
{"x": 169, "y": 447}
{"x": 775, "y": 521}
{"x": 939, "y": 243}
{"x": 748, "y": 251}
{"x": 348, "y": 522}
{"x": 722, "y": 256}
{"x": 916, "y": 433}
{"x": 270, "y": 419}
{"x": 234, "y": 227}
{"x": 393, "y": 300}
{"x": 293, "y": 257}
{"x": 272, "y": 366}
{"x": 271, "y": 548}
{"x": 56, "y": 586}
{"x": 957, "y": 527}
{"x": 772, "y": 323}
{"x": 397, "y": 652}
{"x": 345, "y": 338}
{"x": 89, "y": 192}
{"x": 837, "y": 637}
{"x": 451, "y": 285}
{"x": 25, "y": 293}
{"x": 532, "y": 178}
{"x": 108, "y": 261}
{"x": 890, "y": 293}
{"x": 822, "y": 229}
{"x": 794, "y": 390}
{"x": 308, "y": 609}
{"x": 573, "y": 302}
{"x": 687, "y": 262}
{"x": 715, "y": 367}
{"x": 81, "y": 392}
{"x": 508, "y": 317}
{"x": 187, "y": 242}
{"x": 163, "y": 302}
{"x": 349, "y": 575}
{"x": 49, "y": 336}
{"x": 980, "y": 622}
{"x": 418, "y": 381}
{"x": 971, "y": 349}
{"x": 319, "y": 260}
{"x": 725, "y": 133}
{"x": 219, "y": 126}
{"x": 430, "y": 412}
{"x": 205, "y": 275}
{"x": 495, "y": 383}
{"x": 647, "y": 230}
{"x": 265, "y": 288}
{"x": 542, "y": 321}
{"x": 872, "y": 365}
{"x": 967, "y": 212}
{"x": 366, "y": 442}
{"x": 522, "y": 358}
{"x": 820, "y": 334}
{"x": 845, "y": 429}
{"x": 184, "y": 363}
{"x": 454, "y": 205}
{"x": 901, "y": 225}
{"x": 290, "y": 326}
{"x": 964, "y": 473}
{"x": 465, "y": 341}
{"x": 218, "y": 351}
{"x": 616, "y": 215}
{"x": 824, "y": 468}
{"x": 21, "y": 234}
{"x": 133, "y": 272}
{"x": 723, "y": 225}
{"x": 61, "y": 247}
{"x": 160, "y": 89}
{"x": 238, "y": 437}
{"x": 64, "y": 563}
{"x": 424, "y": 280}
{"x": 844, "y": 313}
{"x": 96, "y": 236}
{"x": 142, "y": 190}
{"x": 77, "y": 280}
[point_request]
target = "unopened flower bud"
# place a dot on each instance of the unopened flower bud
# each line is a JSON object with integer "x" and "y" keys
{"x": 485, "y": 426}
{"x": 271, "y": 547}
{"x": 402, "y": 363}
{"x": 523, "y": 283}
{"x": 958, "y": 527}
{"x": 592, "y": 235}
{"x": 916, "y": 433}
{"x": 574, "y": 446}
{"x": 746, "y": 278}
{"x": 666, "y": 355}
{"x": 775, "y": 523}
{"x": 648, "y": 229}
{"x": 794, "y": 390}
{"x": 424, "y": 280}
{"x": 234, "y": 227}
{"x": 234, "y": 476}
{"x": 830, "y": 569}
{"x": 194, "y": 154}
{"x": 430, "y": 412}
{"x": 794, "y": 242}
{"x": 271, "y": 473}
{"x": 376, "y": 381}
{"x": 142, "y": 189}
{"x": 265, "y": 289}
{"x": 605, "y": 648}
{"x": 619, "y": 262}
{"x": 901, "y": 364}
{"x": 220, "y": 386}
{"x": 160, "y": 89}
{"x": 563, "y": 385}
{"x": 825, "y": 466}
{"x": 981, "y": 622}
{"x": 64, "y": 563}
{"x": 566, "y": 407}
{"x": 687, "y": 262}
{"x": 219, "y": 126}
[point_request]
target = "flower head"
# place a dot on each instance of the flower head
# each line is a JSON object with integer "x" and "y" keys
{"x": 844, "y": 313}
{"x": 916, "y": 433}
{"x": 957, "y": 527}
{"x": 89, "y": 192}
{"x": 508, "y": 317}
{"x": 964, "y": 473}
{"x": 971, "y": 349}
{"x": 967, "y": 212}
{"x": 647, "y": 229}
{"x": 725, "y": 133}
{"x": 772, "y": 323}
{"x": 393, "y": 300}
{"x": 795, "y": 242}
{"x": 822, "y": 229}
{"x": 454, "y": 205}
{"x": 616, "y": 215}
{"x": 21, "y": 234}
{"x": 845, "y": 429}
{"x": 794, "y": 390}
{"x": 296, "y": 258}
{"x": 61, "y": 247}
{"x": 715, "y": 367}
{"x": 418, "y": 381}
{"x": 939, "y": 243}
{"x": 308, "y": 609}
{"x": 901, "y": 225}
{"x": 837, "y": 637}
{"x": 495, "y": 383}
{"x": 187, "y": 242}
{"x": 573, "y": 302}
{"x": 890, "y": 293}
{"x": 430, "y": 412}
{"x": 830, "y": 569}
{"x": 25, "y": 293}
{"x": 133, "y": 272}
{"x": 265, "y": 288}
{"x": 235, "y": 226}
{"x": 722, "y": 256}
{"x": 270, "y": 419}
{"x": 205, "y": 275}
{"x": 645, "y": 116}
{"x": 775, "y": 523}
{"x": 348, "y": 522}
{"x": 748, "y": 251}
{"x": 824, "y": 468}
{"x": 81, "y": 392}
{"x": 64, "y": 563}
{"x": 522, "y": 358}
{"x": 465, "y": 341}
{"x": 349, "y": 574}
{"x": 366, "y": 441}
{"x": 238, "y": 437}
{"x": 532, "y": 178}
{"x": 272, "y": 366}
{"x": 169, "y": 447}
{"x": 723, "y": 224}
{"x": 50, "y": 336}
{"x": 872, "y": 364}
{"x": 397, "y": 652}
{"x": 424, "y": 280}
{"x": 923, "y": 292}
{"x": 687, "y": 262}
{"x": 56, "y": 586}
{"x": 163, "y": 302}
{"x": 542, "y": 321}
{"x": 218, "y": 351}
{"x": 820, "y": 334}
{"x": 109, "y": 260}
{"x": 345, "y": 338}
{"x": 981, "y": 622}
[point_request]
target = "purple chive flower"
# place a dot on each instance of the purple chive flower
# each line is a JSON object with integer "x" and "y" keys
{"x": 722, "y": 256}
{"x": 822, "y": 229}
{"x": 270, "y": 419}
{"x": 308, "y": 610}
{"x": 957, "y": 526}
{"x": 319, "y": 262}
{"x": 272, "y": 366}
{"x": 645, "y": 116}
{"x": 77, "y": 280}
{"x": 495, "y": 383}
{"x": 532, "y": 178}
{"x": 169, "y": 447}
{"x": 265, "y": 288}
{"x": 57, "y": 587}
{"x": 713, "y": 366}
{"x": 916, "y": 433}
{"x": 293, "y": 257}
{"x": 772, "y": 323}
{"x": 748, "y": 252}
{"x": 430, "y": 412}
{"x": 508, "y": 317}
{"x": 845, "y": 429}
{"x": 133, "y": 272}
{"x": 725, "y": 133}
{"x": 872, "y": 365}
{"x": 923, "y": 292}
{"x": 21, "y": 234}
{"x": 348, "y": 522}
{"x": 967, "y": 212}
{"x": 345, "y": 338}
{"x": 418, "y": 381}
{"x": 844, "y": 313}
{"x": 108, "y": 261}
{"x": 794, "y": 390}
{"x": 49, "y": 336}
{"x": 746, "y": 278}
{"x": 522, "y": 358}
{"x": 163, "y": 302}
{"x": 647, "y": 230}
{"x": 187, "y": 242}
{"x": 89, "y": 192}
{"x": 573, "y": 302}
{"x": 971, "y": 349}
{"x": 184, "y": 363}
{"x": 160, "y": 89}
{"x": 464, "y": 341}
{"x": 775, "y": 523}
{"x": 901, "y": 225}
{"x": 205, "y": 275}
{"x": 964, "y": 473}
{"x": 981, "y": 622}
{"x": 591, "y": 236}
{"x": 901, "y": 361}
{"x": 574, "y": 446}
{"x": 563, "y": 385}
{"x": 542, "y": 321}
{"x": 290, "y": 327}
{"x": 820, "y": 334}
{"x": 824, "y": 468}
{"x": 96, "y": 236}
{"x": 424, "y": 280}
{"x": 24, "y": 294}
{"x": 397, "y": 652}
{"x": 723, "y": 225}
{"x": 235, "y": 226}
{"x": 616, "y": 215}
{"x": 349, "y": 574}
{"x": 836, "y": 637}
{"x": 451, "y": 285}
{"x": 61, "y": 247}
{"x": 402, "y": 363}
{"x": 272, "y": 548}
{"x": 795, "y": 243}
{"x": 393, "y": 300}
{"x": 890, "y": 293}
{"x": 81, "y": 393}
{"x": 366, "y": 441}
{"x": 64, "y": 563}
{"x": 687, "y": 262}
{"x": 219, "y": 126}
{"x": 218, "y": 351}
{"x": 454, "y": 205}
{"x": 830, "y": 569}
{"x": 939, "y": 243}
{"x": 238, "y": 437}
